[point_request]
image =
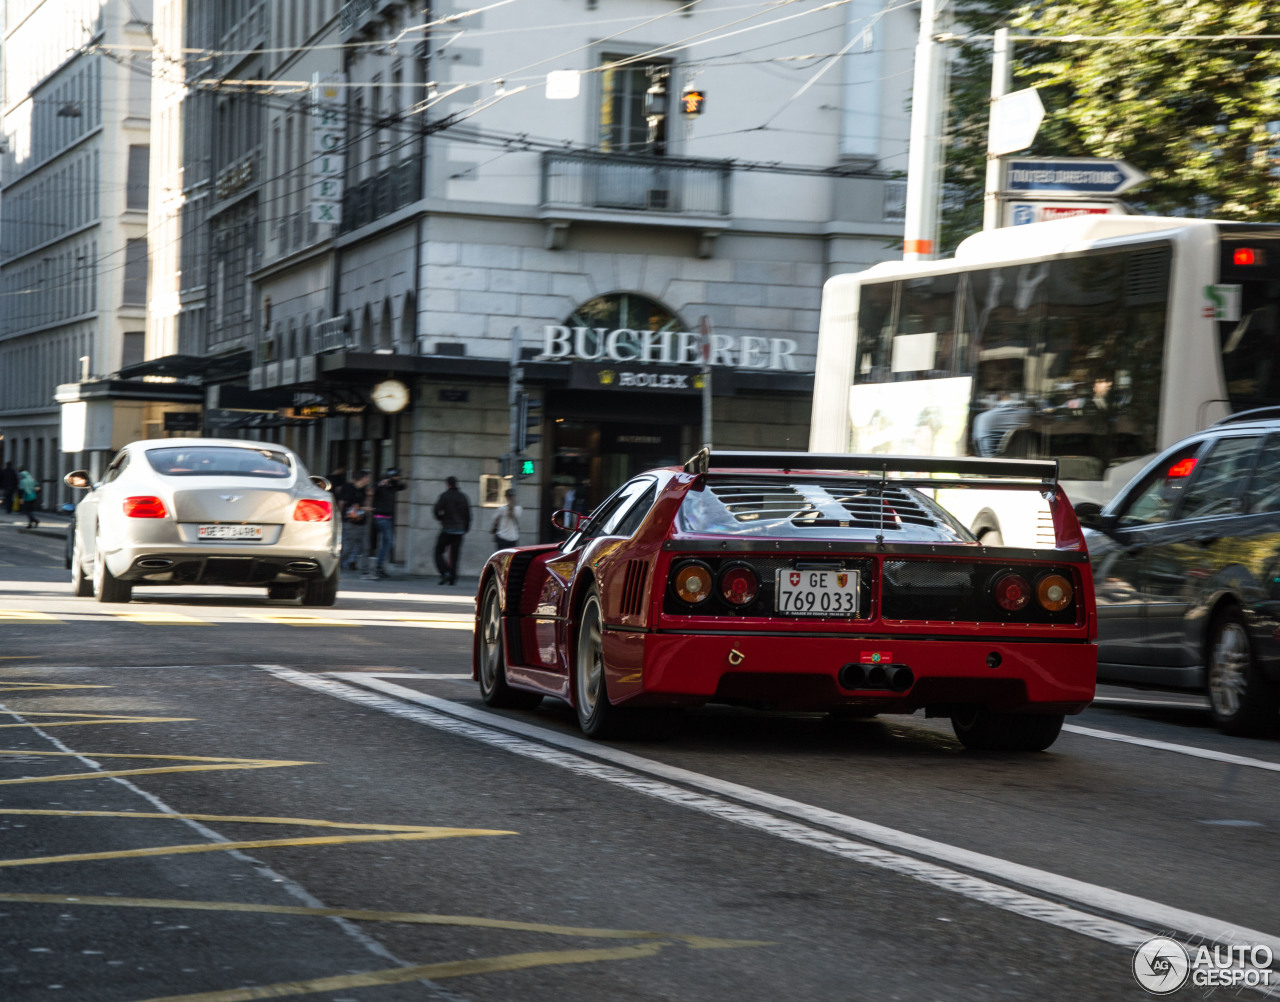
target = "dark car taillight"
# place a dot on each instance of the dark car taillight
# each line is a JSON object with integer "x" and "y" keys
{"x": 1011, "y": 591}
{"x": 739, "y": 584}
{"x": 144, "y": 507}
{"x": 691, "y": 581}
{"x": 313, "y": 511}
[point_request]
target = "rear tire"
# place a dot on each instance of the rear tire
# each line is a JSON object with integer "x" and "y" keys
{"x": 1242, "y": 700}
{"x": 597, "y": 717}
{"x": 81, "y": 585}
{"x": 321, "y": 591}
{"x": 106, "y": 586}
{"x": 494, "y": 689}
{"x": 981, "y": 729}
{"x": 283, "y": 592}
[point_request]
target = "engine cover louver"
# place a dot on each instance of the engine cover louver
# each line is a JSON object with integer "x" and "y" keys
{"x": 633, "y": 588}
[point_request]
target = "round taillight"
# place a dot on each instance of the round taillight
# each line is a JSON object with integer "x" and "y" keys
{"x": 1012, "y": 592}
{"x": 693, "y": 582}
{"x": 1053, "y": 592}
{"x": 144, "y": 507}
{"x": 739, "y": 585}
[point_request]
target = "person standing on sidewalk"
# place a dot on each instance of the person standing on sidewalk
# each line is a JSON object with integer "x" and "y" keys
{"x": 454, "y": 514}
{"x": 353, "y": 506}
{"x": 506, "y": 523}
{"x": 29, "y": 493}
{"x": 384, "y": 517}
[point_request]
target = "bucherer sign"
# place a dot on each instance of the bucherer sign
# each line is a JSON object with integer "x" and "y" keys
{"x": 599, "y": 344}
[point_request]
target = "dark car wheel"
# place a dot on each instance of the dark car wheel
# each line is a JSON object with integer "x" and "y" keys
{"x": 494, "y": 689}
{"x": 981, "y": 729}
{"x": 81, "y": 584}
{"x": 106, "y": 586}
{"x": 1241, "y": 699}
{"x": 283, "y": 592}
{"x": 321, "y": 591}
{"x": 597, "y": 717}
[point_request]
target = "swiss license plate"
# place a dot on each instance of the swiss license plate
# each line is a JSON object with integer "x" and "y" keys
{"x": 229, "y": 532}
{"x": 817, "y": 593}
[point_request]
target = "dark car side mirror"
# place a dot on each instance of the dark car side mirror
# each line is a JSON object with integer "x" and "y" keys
{"x": 1089, "y": 514}
{"x": 569, "y": 521}
{"x": 78, "y": 479}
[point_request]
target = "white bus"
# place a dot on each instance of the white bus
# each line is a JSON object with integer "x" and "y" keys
{"x": 1096, "y": 340}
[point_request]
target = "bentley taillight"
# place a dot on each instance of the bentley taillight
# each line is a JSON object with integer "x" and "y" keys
{"x": 144, "y": 507}
{"x": 309, "y": 510}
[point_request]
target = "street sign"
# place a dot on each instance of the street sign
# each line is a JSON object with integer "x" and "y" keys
{"x": 1020, "y": 211}
{"x": 1069, "y": 176}
{"x": 1015, "y": 119}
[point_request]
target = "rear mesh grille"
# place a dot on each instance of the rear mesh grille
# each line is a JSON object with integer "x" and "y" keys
{"x": 633, "y": 588}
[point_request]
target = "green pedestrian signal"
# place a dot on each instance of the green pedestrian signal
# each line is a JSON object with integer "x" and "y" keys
{"x": 526, "y": 468}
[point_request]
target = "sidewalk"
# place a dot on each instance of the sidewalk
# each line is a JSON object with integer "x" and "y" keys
{"x": 52, "y": 524}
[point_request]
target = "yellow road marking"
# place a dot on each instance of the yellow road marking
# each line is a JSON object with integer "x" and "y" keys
{"x": 296, "y": 619}
{"x": 436, "y": 624}
{"x": 158, "y": 618}
{"x": 24, "y": 686}
{"x": 385, "y": 833}
{"x": 26, "y": 616}
{"x": 85, "y": 719}
{"x": 432, "y": 972}
{"x": 214, "y": 765}
{"x": 365, "y": 915}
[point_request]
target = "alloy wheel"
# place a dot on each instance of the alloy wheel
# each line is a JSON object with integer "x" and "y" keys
{"x": 1228, "y": 678}
{"x": 590, "y": 659}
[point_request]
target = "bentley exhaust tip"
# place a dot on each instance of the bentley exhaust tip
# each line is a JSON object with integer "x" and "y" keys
{"x": 155, "y": 563}
{"x": 301, "y": 566}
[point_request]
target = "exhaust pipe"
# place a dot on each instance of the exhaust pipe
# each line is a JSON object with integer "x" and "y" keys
{"x": 300, "y": 566}
{"x": 852, "y": 677}
{"x": 154, "y": 563}
{"x": 900, "y": 678}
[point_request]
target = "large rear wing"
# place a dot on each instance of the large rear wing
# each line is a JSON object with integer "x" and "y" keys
{"x": 984, "y": 474}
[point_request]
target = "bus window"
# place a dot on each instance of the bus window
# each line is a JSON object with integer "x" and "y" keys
{"x": 1249, "y": 348}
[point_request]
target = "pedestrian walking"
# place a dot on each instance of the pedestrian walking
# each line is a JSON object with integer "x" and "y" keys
{"x": 8, "y": 487}
{"x": 353, "y": 506}
{"x": 454, "y": 514}
{"x": 506, "y": 523}
{"x": 384, "y": 517}
{"x": 29, "y": 493}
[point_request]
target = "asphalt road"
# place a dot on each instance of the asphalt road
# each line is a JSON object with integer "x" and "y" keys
{"x": 209, "y": 796}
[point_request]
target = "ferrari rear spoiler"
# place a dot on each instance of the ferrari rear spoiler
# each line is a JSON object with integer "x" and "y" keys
{"x": 979, "y": 473}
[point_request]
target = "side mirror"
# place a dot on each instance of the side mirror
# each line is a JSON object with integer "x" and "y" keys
{"x": 1089, "y": 514}
{"x": 322, "y": 483}
{"x": 569, "y": 521}
{"x": 79, "y": 479}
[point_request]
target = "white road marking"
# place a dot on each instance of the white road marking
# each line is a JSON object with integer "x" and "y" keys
{"x": 1191, "y": 703}
{"x": 1227, "y": 758}
{"x": 502, "y": 733}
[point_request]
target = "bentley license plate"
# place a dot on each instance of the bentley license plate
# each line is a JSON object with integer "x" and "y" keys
{"x": 817, "y": 593}
{"x": 229, "y": 532}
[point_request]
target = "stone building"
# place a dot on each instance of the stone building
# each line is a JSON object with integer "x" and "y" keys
{"x": 405, "y": 213}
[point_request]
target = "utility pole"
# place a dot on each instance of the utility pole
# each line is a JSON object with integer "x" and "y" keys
{"x": 925, "y": 158}
{"x": 705, "y": 338}
{"x": 1001, "y": 81}
{"x": 515, "y": 393}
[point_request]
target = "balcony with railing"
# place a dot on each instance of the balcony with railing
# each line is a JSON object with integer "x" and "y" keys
{"x": 635, "y": 184}
{"x": 381, "y": 195}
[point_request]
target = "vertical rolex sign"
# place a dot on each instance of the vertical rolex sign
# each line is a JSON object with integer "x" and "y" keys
{"x": 329, "y": 141}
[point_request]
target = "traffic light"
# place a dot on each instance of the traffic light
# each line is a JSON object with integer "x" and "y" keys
{"x": 692, "y": 101}
{"x": 530, "y": 418}
{"x": 526, "y": 467}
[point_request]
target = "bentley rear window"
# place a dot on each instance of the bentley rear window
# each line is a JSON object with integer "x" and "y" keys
{"x": 220, "y": 461}
{"x": 819, "y": 508}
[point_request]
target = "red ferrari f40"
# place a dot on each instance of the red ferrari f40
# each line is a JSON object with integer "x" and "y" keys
{"x": 797, "y": 581}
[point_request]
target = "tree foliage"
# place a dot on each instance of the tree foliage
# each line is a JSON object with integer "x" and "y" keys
{"x": 1195, "y": 115}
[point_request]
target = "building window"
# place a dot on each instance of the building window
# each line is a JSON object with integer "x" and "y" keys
{"x": 624, "y": 309}
{"x": 134, "y": 348}
{"x": 136, "y": 183}
{"x": 634, "y": 100}
{"x": 135, "y": 272}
